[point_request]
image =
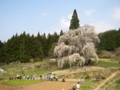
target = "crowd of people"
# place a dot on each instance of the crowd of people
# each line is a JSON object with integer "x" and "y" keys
{"x": 53, "y": 77}
{"x": 49, "y": 77}
{"x": 23, "y": 77}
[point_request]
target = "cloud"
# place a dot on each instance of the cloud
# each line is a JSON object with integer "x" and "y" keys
{"x": 64, "y": 23}
{"x": 43, "y": 14}
{"x": 117, "y": 13}
{"x": 102, "y": 27}
{"x": 88, "y": 13}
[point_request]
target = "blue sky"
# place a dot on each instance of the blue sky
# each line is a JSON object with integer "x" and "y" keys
{"x": 49, "y": 16}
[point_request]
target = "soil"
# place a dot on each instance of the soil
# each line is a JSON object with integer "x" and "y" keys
{"x": 48, "y": 85}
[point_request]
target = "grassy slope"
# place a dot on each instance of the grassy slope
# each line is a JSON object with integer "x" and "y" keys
{"x": 102, "y": 63}
{"x": 118, "y": 83}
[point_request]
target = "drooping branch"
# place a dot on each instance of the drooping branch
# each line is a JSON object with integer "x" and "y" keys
{"x": 81, "y": 40}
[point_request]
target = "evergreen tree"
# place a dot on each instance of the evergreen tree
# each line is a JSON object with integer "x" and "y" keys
{"x": 44, "y": 44}
{"x": 109, "y": 40}
{"x": 1, "y": 52}
{"x": 119, "y": 29}
{"x": 21, "y": 48}
{"x": 74, "y": 23}
{"x": 49, "y": 42}
{"x": 1, "y": 44}
{"x": 61, "y": 33}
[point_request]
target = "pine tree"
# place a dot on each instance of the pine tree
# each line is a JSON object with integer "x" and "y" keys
{"x": 61, "y": 33}
{"x": 74, "y": 24}
{"x": 119, "y": 29}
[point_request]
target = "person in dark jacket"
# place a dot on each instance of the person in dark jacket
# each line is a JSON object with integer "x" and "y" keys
{"x": 41, "y": 77}
{"x": 74, "y": 87}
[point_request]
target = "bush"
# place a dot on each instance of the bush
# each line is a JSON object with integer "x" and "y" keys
{"x": 87, "y": 76}
{"x": 105, "y": 54}
{"x": 66, "y": 64}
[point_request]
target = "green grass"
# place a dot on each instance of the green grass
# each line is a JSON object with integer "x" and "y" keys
{"x": 88, "y": 85}
{"x": 29, "y": 72}
{"x": 7, "y": 67}
{"x": 118, "y": 83}
{"x": 118, "y": 87}
{"x": 39, "y": 71}
{"x": 20, "y": 82}
{"x": 107, "y": 64}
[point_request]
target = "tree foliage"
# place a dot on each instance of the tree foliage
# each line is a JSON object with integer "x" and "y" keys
{"x": 24, "y": 47}
{"x": 110, "y": 40}
{"x": 74, "y": 23}
{"x": 81, "y": 41}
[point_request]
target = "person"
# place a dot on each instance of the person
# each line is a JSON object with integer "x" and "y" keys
{"x": 82, "y": 80}
{"x": 46, "y": 77}
{"x": 94, "y": 79}
{"x": 54, "y": 76}
{"x": 41, "y": 77}
{"x": 74, "y": 87}
{"x": 78, "y": 86}
{"x": 63, "y": 79}
{"x": 17, "y": 76}
{"x": 51, "y": 78}
{"x": 78, "y": 80}
{"x": 27, "y": 77}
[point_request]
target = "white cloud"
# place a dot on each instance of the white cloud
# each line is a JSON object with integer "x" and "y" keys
{"x": 88, "y": 13}
{"x": 43, "y": 14}
{"x": 64, "y": 23}
{"x": 102, "y": 27}
{"x": 117, "y": 13}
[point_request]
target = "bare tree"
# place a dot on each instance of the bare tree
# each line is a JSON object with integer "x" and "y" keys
{"x": 77, "y": 44}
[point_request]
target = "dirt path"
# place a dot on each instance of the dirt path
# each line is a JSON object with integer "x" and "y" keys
{"x": 8, "y": 87}
{"x": 103, "y": 82}
{"x": 75, "y": 70}
{"x": 48, "y": 85}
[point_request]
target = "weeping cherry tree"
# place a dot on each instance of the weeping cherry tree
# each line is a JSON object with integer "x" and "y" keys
{"x": 77, "y": 45}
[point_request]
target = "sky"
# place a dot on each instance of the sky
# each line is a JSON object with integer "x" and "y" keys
{"x": 49, "y": 16}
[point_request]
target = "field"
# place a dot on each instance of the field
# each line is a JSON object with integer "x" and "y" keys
{"x": 88, "y": 72}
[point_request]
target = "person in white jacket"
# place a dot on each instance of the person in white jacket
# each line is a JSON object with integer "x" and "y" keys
{"x": 78, "y": 86}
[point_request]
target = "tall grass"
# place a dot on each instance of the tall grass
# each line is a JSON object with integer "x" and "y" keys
{"x": 8, "y": 67}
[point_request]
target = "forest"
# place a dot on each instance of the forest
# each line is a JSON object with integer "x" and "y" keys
{"x": 25, "y": 47}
